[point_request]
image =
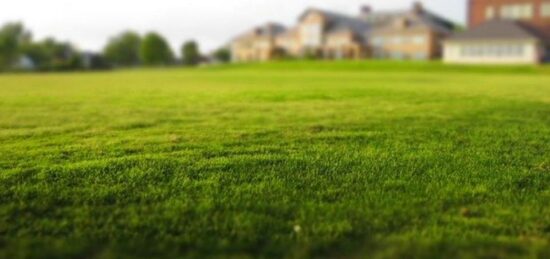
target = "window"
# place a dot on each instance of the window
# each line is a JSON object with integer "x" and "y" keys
{"x": 420, "y": 56}
{"x": 517, "y": 11}
{"x": 545, "y": 10}
{"x": 516, "y": 50}
{"x": 397, "y": 55}
{"x": 465, "y": 51}
{"x": 397, "y": 40}
{"x": 262, "y": 44}
{"x": 419, "y": 40}
{"x": 489, "y": 13}
{"x": 337, "y": 41}
{"x": 528, "y": 11}
{"x": 379, "y": 54}
{"x": 312, "y": 35}
{"x": 502, "y": 50}
{"x": 469, "y": 51}
{"x": 378, "y": 41}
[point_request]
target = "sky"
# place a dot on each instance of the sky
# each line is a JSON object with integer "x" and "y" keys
{"x": 88, "y": 24}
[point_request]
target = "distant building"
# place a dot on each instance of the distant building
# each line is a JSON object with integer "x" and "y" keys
{"x": 534, "y": 12}
{"x": 497, "y": 42}
{"x": 329, "y": 35}
{"x": 25, "y": 63}
{"x": 257, "y": 44}
{"x": 410, "y": 34}
{"x": 503, "y": 32}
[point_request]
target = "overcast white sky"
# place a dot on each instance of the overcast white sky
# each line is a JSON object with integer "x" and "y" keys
{"x": 89, "y": 23}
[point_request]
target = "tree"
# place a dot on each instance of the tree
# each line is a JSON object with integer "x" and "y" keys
{"x": 190, "y": 53}
{"x": 222, "y": 55}
{"x": 50, "y": 54}
{"x": 123, "y": 49}
{"x": 12, "y": 37}
{"x": 155, "y": 50}
{"x": 94, "y": 61}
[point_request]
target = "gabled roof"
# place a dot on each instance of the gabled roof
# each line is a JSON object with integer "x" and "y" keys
{"x": 500, "y": 30}
{"x": 381, "y": 18}
{"x": 437, "y": 20}
{"x": 339, "y": 22}
{"x": 414, "y": 18}
{"x": 268, "y": 29}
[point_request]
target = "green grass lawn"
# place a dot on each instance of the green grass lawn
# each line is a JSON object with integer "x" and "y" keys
{"x": 352, "y": 159}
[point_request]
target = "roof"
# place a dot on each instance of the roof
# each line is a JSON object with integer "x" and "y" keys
{"x": 438, "y": 23}
{"x": 340, "y": 22}
{"x": 268, "y": 29}
{"x": 500, "y": 30}
{"x": 414, "y": 18}
{"x": 380, "y": 18}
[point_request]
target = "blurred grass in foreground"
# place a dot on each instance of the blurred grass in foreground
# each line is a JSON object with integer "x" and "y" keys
{"x": 288, "y": 159}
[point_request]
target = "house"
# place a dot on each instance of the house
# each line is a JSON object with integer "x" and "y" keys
{"x": 497, "y": 42}
{"x": 25, "y": 63}
{"x": 503, "y": 32}
{"x": 411, "y": 34}
{"x": 257, "y": 44}
{"x": 289, "y": 41}
{"x": 534, "y": 12}
{"x": 329, "y": 35}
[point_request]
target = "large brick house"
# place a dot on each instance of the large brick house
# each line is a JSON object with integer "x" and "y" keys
{"x": 534, "y": 12}
{"x": 318, "y": 33}
{"x": 412, "y": 34}
{"x": 330, "y": 35}
{"x": 415, "y": 33}
{"x": 502, "y": 31}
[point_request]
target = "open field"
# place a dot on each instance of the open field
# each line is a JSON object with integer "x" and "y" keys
{"x": 388, "y": 160}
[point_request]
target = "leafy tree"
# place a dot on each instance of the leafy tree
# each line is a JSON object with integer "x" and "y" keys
{"x": 155, "y": 50}
{"x": 222, "y": 55}
{"x": 123, "y": 49}
{"x": 190, "y": 53}
{"x": 36, "y": 52}
{"x": 94, "y": 61}
{"x": 50, "y": 54}
{"x": 12, "y": 37}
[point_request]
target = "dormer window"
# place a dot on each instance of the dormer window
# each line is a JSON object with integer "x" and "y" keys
{"x": 401, "y": 23}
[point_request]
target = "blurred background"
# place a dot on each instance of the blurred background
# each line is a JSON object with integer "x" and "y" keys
{"x": 62, "y": 35}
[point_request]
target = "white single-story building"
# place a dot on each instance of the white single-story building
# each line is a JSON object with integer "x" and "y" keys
{"x": 497, "y": 42}
{"x": 25, "y": 63}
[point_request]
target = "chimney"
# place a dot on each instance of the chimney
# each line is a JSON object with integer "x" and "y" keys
{"x": 365, "y": 10}
{"x": 418, "y": 8}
